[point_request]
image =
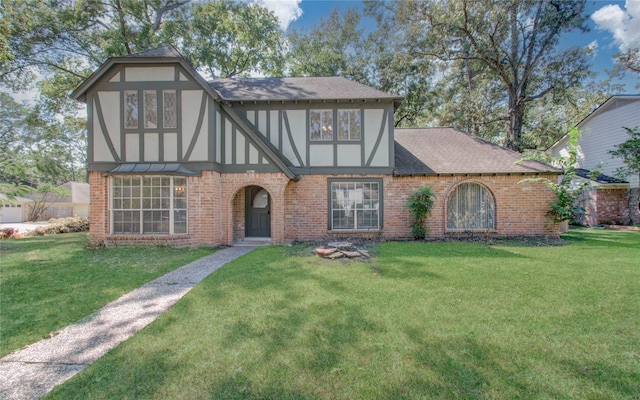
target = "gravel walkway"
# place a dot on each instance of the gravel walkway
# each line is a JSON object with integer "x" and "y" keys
{"x": 33, "y": 371}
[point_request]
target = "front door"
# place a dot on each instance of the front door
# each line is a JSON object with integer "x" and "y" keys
{"x": 257, "y": 212}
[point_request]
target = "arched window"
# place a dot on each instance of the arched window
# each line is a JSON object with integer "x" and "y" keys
{"x": 470, "y": 207}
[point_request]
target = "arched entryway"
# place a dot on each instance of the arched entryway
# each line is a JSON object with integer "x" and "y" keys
{"x": 257, "y": 206}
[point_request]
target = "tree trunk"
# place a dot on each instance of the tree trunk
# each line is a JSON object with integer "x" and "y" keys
{"x": 516, "y": 117}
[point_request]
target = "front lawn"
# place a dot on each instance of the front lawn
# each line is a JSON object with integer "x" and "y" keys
{"x": 49, "y": 282}
{"x": 422, "y": 320}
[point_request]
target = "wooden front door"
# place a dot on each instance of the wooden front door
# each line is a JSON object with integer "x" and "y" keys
{"x": 257, "y": 212}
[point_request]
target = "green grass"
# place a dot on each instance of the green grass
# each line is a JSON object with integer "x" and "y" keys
{"x": 50, "y": 282}
{"x": 421, "y": 320}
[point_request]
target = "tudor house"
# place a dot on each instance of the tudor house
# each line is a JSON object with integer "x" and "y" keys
{"x": 175, "y": 159}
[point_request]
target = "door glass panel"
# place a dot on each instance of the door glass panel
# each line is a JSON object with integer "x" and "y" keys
{"x": 261, "y": 199}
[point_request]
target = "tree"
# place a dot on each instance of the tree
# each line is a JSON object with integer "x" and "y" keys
{"x": 568, "y": 204}
{"x": 629, "y": 151}
{"x": 44, "y": 197}
{"x": 50, "y": 46}
{"x": 333, "y": 47}
{"x": 512, "y": 43}
{"x": 627, "y": 61}
{"x": 229, "y": 39}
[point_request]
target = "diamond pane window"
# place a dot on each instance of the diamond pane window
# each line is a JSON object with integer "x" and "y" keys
{"x": 169, "y": 109}
{"x": 131, "y": 109}
{"x": 150, "y": 109}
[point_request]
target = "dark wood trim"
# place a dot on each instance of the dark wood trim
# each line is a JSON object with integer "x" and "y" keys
{"x": 385, "y": 117}
{"x": 290, "y": 136}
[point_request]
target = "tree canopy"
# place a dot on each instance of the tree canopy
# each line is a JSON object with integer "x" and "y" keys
{"x": 493, "y": 68}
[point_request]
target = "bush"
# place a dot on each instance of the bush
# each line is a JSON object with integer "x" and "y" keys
{"x": 420, "y": 204}
{"x": 8, "y": 233}
{"x": 62, "y": 225}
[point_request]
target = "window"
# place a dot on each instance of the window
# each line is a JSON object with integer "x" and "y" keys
{"x": 150, "y": 109}
{"x": 148, "y": 205}
{"x": 355, "y": 205}
{"x": 348, "y": 124}
{"x": 169, "y": 109}
{"x": 321, "y": 125}
{"x": 470, "y": 207}
{"x": 131, "y": 109}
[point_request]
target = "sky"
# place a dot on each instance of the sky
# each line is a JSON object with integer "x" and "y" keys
{"x": 614, "y": 26}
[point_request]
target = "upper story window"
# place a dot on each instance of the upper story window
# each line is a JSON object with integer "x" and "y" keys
{"x": 169, "y": 107}
{"x": 131, "y": 109}
{"x": 321, "y": 125}
{"x": 349, "y": 126}
{"x": 150, "y": 109}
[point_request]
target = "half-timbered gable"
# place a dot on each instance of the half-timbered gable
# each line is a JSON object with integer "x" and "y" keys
{"x": 320, "y": 124}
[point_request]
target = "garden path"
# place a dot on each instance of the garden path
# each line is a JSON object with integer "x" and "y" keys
{"x": 33, "y": 371}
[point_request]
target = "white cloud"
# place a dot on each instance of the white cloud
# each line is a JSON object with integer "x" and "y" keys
{"x": 287, "y": 11}
{"x": 624, "y": 25}
{"x": 593, "y": 46}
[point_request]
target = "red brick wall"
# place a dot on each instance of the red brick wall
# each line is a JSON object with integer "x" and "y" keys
{"x": 608, "y": 206}
{"x": 299, "y": 210}
{"x": 520, "y": 207}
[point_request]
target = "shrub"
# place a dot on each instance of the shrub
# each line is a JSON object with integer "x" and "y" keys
{"x": 62, "y": 225}
{"x": 420, "y": 204}
{"x": 8, "y": 233}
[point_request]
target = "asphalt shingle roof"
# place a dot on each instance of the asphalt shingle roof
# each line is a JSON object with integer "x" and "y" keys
{"x": 600, "y": 178}
{"x": 167, "y": 51}
{"x": 302, "y": 88}
{"x": 427, "y": 151}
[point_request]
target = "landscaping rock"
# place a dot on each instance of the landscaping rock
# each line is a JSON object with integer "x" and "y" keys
{"x": 335, "y": 255}
{"x": 322, "y": 252}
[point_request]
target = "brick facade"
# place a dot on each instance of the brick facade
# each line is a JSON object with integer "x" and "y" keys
{"x": 299, "y": 210}
{"x": 610, "y": 207}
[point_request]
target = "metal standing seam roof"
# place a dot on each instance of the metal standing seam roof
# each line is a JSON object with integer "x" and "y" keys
{"x": 429, "y": 151}
{"x": 301, "y": 89}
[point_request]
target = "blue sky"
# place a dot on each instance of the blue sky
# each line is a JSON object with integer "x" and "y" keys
{"x": 614, "y": 26}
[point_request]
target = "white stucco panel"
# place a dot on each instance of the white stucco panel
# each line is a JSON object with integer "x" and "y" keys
{"x": 151, "y": 147}
{"x": 253, "y": 155}
{"x": 349, "y": 155}
{"x": 240, "y": 147}
{"x": 149, "y": 74}
{"x": 201, "y": 150}
{"x": 218, "y": 133}
{"x": 132, "y": 144}
{"x": 111, "y": 110}
{"x": 321, "y": 155}
{"x": 373, "y": 120}
{"x": 298, "y": 124}
{"x": 101, "y": 150}
{"x": 191, "y": 100}
{"x": 274, "y": 131}
{"x": 170, "y": 152}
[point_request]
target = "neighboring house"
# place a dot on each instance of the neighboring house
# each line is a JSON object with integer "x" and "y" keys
{"x": 16, "y": 210}
{"x": 175, "y": 159}
{"x": 609, "y": 201}
{"x": 74, "y": 205}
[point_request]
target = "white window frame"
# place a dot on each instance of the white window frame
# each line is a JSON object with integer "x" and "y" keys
{"x": 355, "y": 188}
{"x": 141, "y": 209}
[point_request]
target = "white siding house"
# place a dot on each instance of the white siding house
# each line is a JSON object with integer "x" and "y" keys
{"x": 601, "y": 131}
